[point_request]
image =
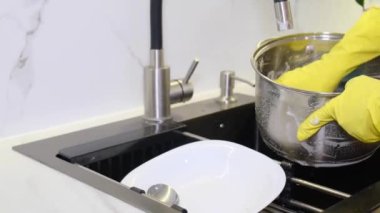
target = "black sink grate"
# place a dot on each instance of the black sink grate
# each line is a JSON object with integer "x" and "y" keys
{"x": 119, "y": 164}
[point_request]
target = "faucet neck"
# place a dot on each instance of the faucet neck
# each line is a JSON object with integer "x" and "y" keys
{"x": 156, "y": 58}
{"x": 157, "y": 89}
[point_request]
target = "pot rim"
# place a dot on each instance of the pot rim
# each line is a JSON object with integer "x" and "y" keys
{"x": 263, "y": 45}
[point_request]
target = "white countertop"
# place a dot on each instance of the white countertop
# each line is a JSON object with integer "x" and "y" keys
{"x": 29, "y": 186}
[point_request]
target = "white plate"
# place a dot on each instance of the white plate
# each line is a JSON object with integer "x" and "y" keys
{"x": 213, "y": 176}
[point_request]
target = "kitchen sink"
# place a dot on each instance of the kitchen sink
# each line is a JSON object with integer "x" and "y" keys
{"x": 102, "y": 156}
{"x": 117, "y": 155}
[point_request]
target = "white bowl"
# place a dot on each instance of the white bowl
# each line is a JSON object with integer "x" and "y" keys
{"x": 213, "y": 176}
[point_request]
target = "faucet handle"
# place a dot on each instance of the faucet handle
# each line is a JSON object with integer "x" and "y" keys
{"x": 181, "y": 90}
{"x": 191, "y": 70}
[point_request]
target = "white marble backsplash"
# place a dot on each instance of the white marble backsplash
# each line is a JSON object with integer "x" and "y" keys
{"x": 67, "y": 60}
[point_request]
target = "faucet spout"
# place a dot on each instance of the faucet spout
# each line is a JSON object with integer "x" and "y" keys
{"x": 284, "y": 18}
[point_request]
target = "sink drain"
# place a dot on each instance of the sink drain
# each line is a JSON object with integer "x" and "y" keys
{"x": 164, "y": 194}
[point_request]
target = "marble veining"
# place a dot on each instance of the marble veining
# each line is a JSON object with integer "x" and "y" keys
{"x": 21, "y": 77}
{"x": 133, "y": 55}
{"x": 34, "y": 23}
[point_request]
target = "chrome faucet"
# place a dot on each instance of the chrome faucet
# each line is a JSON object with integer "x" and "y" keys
{"x": 159, "y": 91}
{"x": 283, "y": 13}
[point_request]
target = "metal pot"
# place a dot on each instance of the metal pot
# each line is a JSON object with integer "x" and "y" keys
{"x": 280, "y": 109}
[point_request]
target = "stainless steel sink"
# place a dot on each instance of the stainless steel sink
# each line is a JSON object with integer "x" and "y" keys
{"x": 102, "y": 156}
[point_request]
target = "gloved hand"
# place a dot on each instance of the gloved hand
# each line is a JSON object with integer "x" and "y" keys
{"x": 360, "y": 44}
{"x": 357, "y": 110}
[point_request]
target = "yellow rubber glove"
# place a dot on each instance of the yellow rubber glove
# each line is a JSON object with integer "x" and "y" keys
{"x": 360, "y": 44}
{"x": 357, "y": 110}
